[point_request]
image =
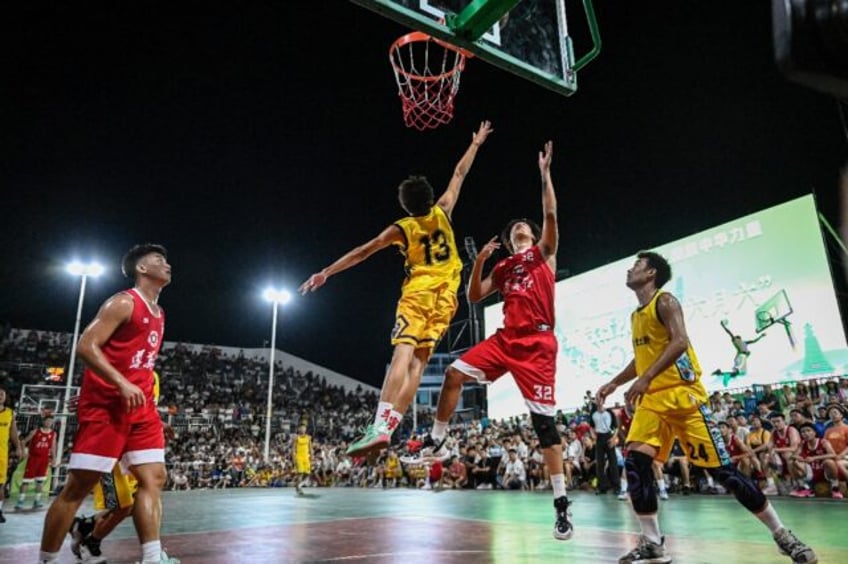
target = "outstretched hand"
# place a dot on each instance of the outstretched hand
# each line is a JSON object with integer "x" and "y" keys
{"x": 489, "y": 248}
{"x": 313, "y": 283}
{"x": 482, "y": 133}
{"x": 545, "y": 157}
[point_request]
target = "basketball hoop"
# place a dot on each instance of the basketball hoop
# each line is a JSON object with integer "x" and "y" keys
{"x": 427, "y": 80}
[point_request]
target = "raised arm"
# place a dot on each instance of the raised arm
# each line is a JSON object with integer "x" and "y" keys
{"x": 479, "y": 287}
{"x": 724, "y": 323}
{"x": 389, "y": 235}
{"x": 447, "y": 201}
{"x": 550, "y": 231}
{"x": 112, "y": 315}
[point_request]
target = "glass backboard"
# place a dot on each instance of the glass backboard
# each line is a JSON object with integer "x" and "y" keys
{"x": 528, "y": 38}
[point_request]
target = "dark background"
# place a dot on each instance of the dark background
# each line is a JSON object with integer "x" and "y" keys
{"x": 259, "y": 141}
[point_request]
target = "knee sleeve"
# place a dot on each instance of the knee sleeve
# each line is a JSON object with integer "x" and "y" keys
{"x": 546, "y": 430}
{"x": 640, "y": 482}
{"x": 746, "y": 492}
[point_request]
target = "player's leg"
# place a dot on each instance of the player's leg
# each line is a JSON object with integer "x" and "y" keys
{"x": 60, "y": 515}
{"x": 19, "y": 504}
{"x": 417, "y": 365}
{"x": 701, "y": 437}
{"x": 551, "y": 443}
{"x": 484, "y": 363}
{"x": 650, "y": 437}
{"x": 420, "y": 320}
{"x": 531, "y": 359}
{"x": 97, "y": 445}
{"x": 831, "y": 474}
{"x": 113, "y": 499}
{"x": 39, "y": 491}
{"x": 145, "y": 455}
{"x": 147, "y": 513}
{"x": 427, "y": 328}
{"x": 377, "y": 435}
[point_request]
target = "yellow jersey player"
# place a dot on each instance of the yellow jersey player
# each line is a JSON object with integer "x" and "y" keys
{"x": 671, "y": 401}
{"x": 428, "y": 294}
{"x": 114, "y": 501}
{"x": 302, "y": 453}
{"x": 8, "y": 431}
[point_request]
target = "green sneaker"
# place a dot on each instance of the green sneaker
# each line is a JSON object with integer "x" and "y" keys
{"x": 376, "y": 437}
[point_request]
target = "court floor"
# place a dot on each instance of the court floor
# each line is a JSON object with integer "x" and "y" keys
{"x": 409, "y": 526}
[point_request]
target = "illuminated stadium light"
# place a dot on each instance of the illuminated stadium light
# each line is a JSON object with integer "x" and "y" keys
{"x": 78, "y": 268}
{"x": 281, "y": 297}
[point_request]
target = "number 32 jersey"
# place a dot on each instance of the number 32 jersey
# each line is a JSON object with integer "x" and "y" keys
{"x": 432, "y": 260}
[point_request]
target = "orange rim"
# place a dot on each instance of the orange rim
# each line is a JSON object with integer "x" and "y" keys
{"x": 418, "y": 37}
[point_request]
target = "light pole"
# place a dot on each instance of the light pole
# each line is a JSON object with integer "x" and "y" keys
{"x": 276, "y": 297}
{"x": 75, "y": 268}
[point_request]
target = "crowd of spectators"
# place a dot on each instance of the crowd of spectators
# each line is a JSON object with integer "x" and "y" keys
{"x": 216, "y": 403}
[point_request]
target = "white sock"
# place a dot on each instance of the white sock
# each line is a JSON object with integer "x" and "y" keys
{"x": 650, "y": 527}
{"x": 384, "y": 408}
{"x": 770, "y": 481}
{"x": 558, "y": 484}
{"x": 38, "y": 495}
{"x": 151, "y": 552}
{"x": 21, "y": 498}
{"x": 47, "y": 557}
{"x": 394, "y": 420}
{"x": 834, "y": 484}
{"x": 623, "y": 483}
{"x": 440, "y": 429}
{"x": 661, "y": 484}
{"x": 770, "y": 518}
{"x": 710, "y": 482}
{"x": 1, "y": 503}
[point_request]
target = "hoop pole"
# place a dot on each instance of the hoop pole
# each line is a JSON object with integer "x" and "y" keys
{"x": 267, "y": 449}
{"x": 60, "y": 447}
{"x": 589, "y": 9}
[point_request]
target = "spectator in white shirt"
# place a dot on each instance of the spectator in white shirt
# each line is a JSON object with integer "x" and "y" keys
{"x": 515, "y": 476}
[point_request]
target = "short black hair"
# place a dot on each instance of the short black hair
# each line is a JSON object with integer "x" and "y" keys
{"x": 806, "y": 424}
{"x": 658, "y": 263}
{"x": 416, "y": 195}
{"x": 534, "y": 228}
{"x": 130, "y": 260}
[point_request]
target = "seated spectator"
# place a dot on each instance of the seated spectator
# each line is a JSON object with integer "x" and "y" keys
{"x": 456, "y": 476}
{"x": 515, "y": 475}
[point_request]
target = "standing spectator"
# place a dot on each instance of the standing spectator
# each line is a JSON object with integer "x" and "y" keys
{"x": 605, "y": 425}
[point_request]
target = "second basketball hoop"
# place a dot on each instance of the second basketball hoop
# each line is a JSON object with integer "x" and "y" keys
{"x": 427, "y": 71}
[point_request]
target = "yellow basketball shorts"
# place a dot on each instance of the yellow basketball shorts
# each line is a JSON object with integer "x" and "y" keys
{"x": 422, "y": 317}
{"x": 696, "y": 428}
{"x": 115, "y": 490}
{"x": 4, "y": 466}
{"x": 304, "y": 466}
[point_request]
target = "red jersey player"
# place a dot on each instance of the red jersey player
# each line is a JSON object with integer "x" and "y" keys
{"x": 526, "y": 346}
{"x": 116, "y": 412}
{"x": 41, "y": 454}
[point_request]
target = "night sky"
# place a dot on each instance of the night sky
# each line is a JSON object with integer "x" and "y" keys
{"x": 259, "y": 141}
